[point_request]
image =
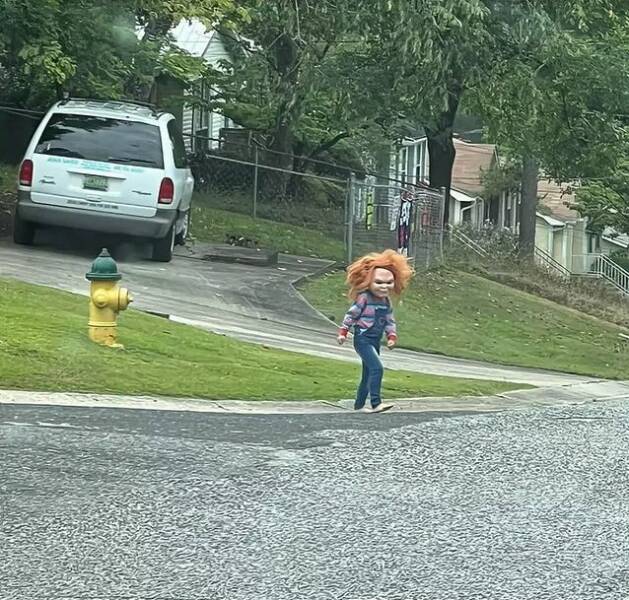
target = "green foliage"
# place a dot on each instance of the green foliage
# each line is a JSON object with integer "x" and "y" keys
{"x": 558, "y": 83}
{"x": 292, "y": 79}
{"x": 606, "y": 202}
{"x": 95, "y": 48}
{"x": 501, "y": 178}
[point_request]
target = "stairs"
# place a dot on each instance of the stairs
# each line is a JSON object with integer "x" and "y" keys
{"x": 603, "y": 267}
{"x": 599, "y": 266}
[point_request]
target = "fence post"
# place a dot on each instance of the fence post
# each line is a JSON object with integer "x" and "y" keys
{"x": 350, "y": 218}
{"x": 255, "y": 184}
{"x": 442, "y": 225}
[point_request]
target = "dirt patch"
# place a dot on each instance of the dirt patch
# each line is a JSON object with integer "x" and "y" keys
{"x": 7, "y": 203}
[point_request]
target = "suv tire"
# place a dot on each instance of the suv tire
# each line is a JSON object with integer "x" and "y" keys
{"x": 23, "y": 231}
{"x": 163, "y": 248}
{"x": 180, "y": 238}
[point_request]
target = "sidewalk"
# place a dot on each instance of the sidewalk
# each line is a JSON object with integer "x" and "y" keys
{"x": 575, "y": 394}
{"x": 240, "y": 301}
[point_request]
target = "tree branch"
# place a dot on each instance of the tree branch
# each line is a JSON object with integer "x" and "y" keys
{"x": 323, "y": 146}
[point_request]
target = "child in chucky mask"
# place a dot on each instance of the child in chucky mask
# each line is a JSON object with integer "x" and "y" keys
{"x": 372, "y": 280}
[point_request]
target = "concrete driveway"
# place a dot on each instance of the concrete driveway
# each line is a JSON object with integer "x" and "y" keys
{"x": 252, "y": 303}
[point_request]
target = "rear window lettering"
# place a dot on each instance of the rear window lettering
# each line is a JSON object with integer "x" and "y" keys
{"x": 87, "y": 138}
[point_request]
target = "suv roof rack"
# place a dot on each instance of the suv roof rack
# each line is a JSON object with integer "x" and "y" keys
{"x": 139, "y": 103}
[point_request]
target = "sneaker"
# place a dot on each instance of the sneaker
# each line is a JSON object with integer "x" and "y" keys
{"x": 382, "y": 408}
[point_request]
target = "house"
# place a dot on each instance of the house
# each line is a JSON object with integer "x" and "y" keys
{"x": 563, "y": 234}
{"x": 201, "y": 127}
{"x": 469, "y": 204}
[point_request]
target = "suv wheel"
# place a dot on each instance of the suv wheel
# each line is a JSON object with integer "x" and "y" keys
{"x": 23, "y": 231}
{"x": 163, "y": 248}
{"x": 182, "y": 236}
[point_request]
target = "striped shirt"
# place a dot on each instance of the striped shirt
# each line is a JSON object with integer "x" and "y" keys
{"x": 362, "y": 316}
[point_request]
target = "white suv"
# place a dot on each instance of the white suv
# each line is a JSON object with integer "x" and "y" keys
{"x": 112, "y": 167}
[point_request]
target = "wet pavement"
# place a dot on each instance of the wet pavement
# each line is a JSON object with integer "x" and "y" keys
{"x": 112, "y": 503}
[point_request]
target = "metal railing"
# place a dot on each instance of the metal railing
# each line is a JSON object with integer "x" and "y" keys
{"x": 468, "y": 242}
{"x": 546, "y": 261}
{"x": 600, "y": 265}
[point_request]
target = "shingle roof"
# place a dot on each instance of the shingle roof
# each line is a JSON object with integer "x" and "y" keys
{"x": 554, "y": 196}
{"x": 469, "y": 164}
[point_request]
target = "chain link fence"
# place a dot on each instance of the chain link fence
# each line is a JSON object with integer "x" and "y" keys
{"x": 318, "y": 209}
{"x": 243, "y": 199}
{"x": 405, "y": 217}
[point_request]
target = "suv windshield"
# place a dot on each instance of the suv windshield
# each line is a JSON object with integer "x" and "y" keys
{"x": 102, "y": 139}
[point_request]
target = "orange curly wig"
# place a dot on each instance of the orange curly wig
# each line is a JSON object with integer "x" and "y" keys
{"x": 360, "y": 272}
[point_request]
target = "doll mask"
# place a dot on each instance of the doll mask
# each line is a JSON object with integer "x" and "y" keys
{"x": 382, "y": 283}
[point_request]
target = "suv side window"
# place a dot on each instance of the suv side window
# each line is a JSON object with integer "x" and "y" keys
{"x": 179, "y": 149}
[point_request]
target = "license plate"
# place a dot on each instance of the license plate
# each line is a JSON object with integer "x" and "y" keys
{"x": 95, "y": 182}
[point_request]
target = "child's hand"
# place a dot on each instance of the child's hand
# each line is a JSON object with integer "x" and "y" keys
{"x": 391, "y": 343}
{"x": 341, "y": 339}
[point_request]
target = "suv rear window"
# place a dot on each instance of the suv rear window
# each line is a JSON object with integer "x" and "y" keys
{"x": 102, "y": 139}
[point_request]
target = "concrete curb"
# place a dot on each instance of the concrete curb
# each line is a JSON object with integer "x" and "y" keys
{"x": 307, "y": 277}
{"x": 580, "y": 393}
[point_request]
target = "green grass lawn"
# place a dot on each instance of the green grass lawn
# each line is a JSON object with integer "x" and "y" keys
{"x": 8, "y": 178}
{"x": 467, "y": 316}
{"x": 44, "y": 346}
{"x": 210, "y": 224}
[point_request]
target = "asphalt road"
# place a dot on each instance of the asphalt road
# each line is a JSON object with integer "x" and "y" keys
{"x": 112, "y": 504}
{"x": 251, "y": 303}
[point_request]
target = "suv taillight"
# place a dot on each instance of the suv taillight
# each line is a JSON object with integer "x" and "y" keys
{"x": 26, "y": 173}
{"x": 166, "y": 191}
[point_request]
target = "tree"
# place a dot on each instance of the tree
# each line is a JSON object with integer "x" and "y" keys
{"x": 293, "y": 79}
{"x": 605, "y": 201}
{"x": 93, "y": 48}
{"x": 439, "y": 49}
{"x": 554, "y": 105}
{"x": 486, "y": 53}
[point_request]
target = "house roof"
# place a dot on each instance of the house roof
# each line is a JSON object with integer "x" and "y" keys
{"x": 552, "y": 222}
{"x": 469, "y": 164}
{"x": 192, "y": 36}
{"x": 461, "y": 196}
{"x": 555, "y": 196}
{"x": 619, "y": 239}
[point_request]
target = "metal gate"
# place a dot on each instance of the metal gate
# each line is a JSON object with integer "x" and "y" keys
{"x": 404, "y": 217}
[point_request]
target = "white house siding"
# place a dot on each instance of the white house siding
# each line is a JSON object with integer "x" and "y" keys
{"x": 186, "y": 126}
{"x": 215, "y": 55}
{"x": 411, "y": 161}
{"x": 192, "y": 37}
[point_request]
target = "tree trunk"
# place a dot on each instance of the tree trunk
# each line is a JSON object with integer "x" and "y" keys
{"x": 528, "y": 207}
{"x": 286, "y": 54}
{"x": 140, "y": 85}
{"x": 441, "y": 150}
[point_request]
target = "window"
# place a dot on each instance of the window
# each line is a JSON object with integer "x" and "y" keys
{"x": 102, "y": 139}
{"x": 179, "y": 148}
{"x": 403, "y": 164}
{"x": 420, "y": 170}
{"x": 410, "y": 159}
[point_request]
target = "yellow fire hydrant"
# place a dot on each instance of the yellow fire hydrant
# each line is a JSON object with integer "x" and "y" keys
{"x": 107, "y": 299}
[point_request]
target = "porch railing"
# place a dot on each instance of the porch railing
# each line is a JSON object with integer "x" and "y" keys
{"x": 601, "y": 266}
{"x": 546, "y": 261}
{"x": 468, "y": 242}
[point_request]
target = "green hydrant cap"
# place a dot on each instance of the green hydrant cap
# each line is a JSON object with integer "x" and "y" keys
{"x": 104, "y": 268}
